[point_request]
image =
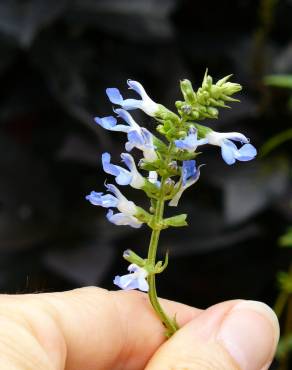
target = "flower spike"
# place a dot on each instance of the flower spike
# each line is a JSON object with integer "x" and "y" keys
{"x": 170, "y": 166}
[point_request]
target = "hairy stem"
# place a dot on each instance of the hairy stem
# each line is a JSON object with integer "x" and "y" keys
{"x": 169, "y": 323}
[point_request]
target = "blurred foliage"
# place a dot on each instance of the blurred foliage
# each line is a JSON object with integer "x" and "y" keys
{"x": 283, "y": 304}
{"x": 286, "y": 239}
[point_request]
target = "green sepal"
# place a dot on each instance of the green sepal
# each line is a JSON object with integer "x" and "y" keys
{"x": 165, "y": 114}
{"x": 149, "y": 166}
{"x": 160, "y": 146}
{"x": 183, "y": 155}
{"x": 150, "y": 189}
{"x": 202, "y": 130}
{"x": 161, "y": 167}
{"x": 176, "y": 221}
{"x": 132, "y": 257}
{"x": 142, "y": 215}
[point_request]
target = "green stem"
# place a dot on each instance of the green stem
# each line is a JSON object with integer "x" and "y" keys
{"x": 169, "y": 323}
{"x": 281, "y": 303}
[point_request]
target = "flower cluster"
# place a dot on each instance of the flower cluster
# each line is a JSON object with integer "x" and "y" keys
{"x": 168, "y": 165}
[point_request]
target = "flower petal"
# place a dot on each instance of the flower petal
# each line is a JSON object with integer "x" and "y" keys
{"x": 137, "y": 180}
{"x": 195, "y": 174}
{"x": 246, "y": 153}
{"x": 190, "y": 142}
{"x": 135, "y": 280}
{"x": 98, "y": 199}
{"x": 127, "y": 118}
{"x": 123, "y": 219}
{"x": 136, "y": 86}
{"x": 228, "y": 151}
{"x": 143, "y": 285}
{"x": 189, "y": 170}
{"x": 114, "y": 95}
{"x": 110, "y": 123}
{"x": 126, "y": 282}
{"x": 123, "y": 177}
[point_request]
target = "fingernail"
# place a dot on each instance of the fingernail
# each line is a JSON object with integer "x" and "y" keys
{"x": 250, "y": 333}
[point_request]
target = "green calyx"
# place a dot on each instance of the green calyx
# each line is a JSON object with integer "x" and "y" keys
{"x": 176, "y": 221}
{"x": 132, "y": 257}
{"x": 151, "y": 269}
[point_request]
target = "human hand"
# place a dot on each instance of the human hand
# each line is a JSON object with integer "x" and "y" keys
{"x": 93, "y": 329}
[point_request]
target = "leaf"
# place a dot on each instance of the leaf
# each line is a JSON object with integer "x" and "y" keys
{"x": 275, "y": 141}
{"x": 286, "y": 239}
{"x": 284, "y": 81}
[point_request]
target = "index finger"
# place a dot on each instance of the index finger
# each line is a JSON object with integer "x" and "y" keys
{"x": 97, "y": 329}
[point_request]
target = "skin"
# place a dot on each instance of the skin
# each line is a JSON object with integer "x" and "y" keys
{"x": 94, "y": 329}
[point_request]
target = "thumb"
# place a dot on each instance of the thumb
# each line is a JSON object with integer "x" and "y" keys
{"x": 231, "y": 336}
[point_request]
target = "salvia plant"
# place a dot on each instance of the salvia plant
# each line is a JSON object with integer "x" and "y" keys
{"x": 167, "y": 168}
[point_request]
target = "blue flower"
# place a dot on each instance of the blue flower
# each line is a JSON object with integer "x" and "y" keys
{"x": 190, "y": 174}
{"x": 135, "y": 280}
{"x": 123, "y": 176}
{"x": 127, "y": 208}
{"x": 110, "y": 123}
{"x": 138, "y": 137}
{"x": 190, "y": 142}
{"x": 229, "y": 151}
{"x": 99, "y": 199}
{"x": 189, "y": 171}
{"x": 146, "y": 103}
{"x": 121, "y": 219}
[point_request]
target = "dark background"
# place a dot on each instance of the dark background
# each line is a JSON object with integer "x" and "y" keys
{"x": 57, "y": 58}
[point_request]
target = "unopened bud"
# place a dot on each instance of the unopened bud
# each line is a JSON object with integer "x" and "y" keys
{"x": 187, "y": 109}
{"x": 173, "y": 165}
{"x": 187, "y": 91}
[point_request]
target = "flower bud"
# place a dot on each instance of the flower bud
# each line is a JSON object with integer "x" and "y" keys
{"x": 168, "y": 186}
{"x": 187, "y": 91}
{"x": 132, "y": 257}
{"x": 173, "y": 165}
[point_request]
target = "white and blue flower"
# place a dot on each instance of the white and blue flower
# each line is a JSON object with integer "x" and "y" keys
{"x": 190, "y": 142}
{"x": 135, "y": 280}
{"x": 229, "y": 151}
{"x": 190, "y": 174}
{"x": 138, "y": 137}
{"x": 146, "y": 103}
{"x": 127, "y": 208}
{"x": 153, "y": 178}
{"x": 123, "y": 176}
